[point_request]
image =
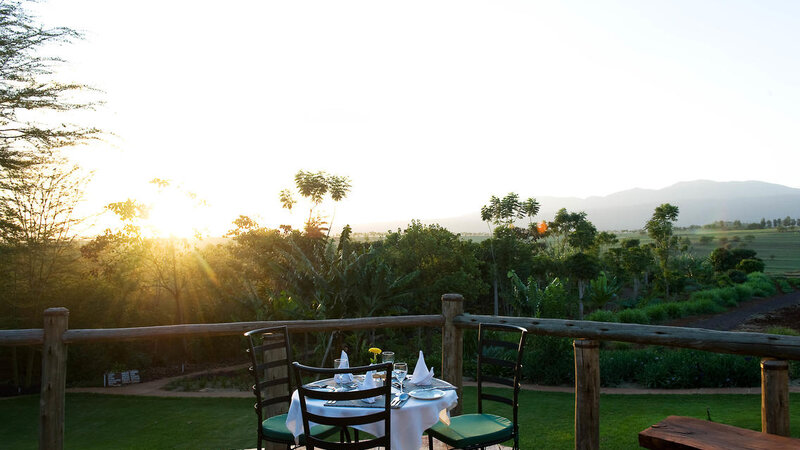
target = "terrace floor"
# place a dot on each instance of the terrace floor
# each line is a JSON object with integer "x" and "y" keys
{"x": 440, "y": 446}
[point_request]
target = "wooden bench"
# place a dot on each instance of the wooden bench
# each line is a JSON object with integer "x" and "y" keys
{"x": 684, "y": 433}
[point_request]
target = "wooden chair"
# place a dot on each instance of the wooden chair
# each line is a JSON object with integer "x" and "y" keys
{"x": 272, "y": 373}
{"x": 480, "y": 430}
{"x": 383, "y": 414}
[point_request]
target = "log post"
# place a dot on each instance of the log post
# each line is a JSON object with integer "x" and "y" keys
{"x": 453, "y": 346}
{"x": 775, "y": 396}
{"x": 54, "y": 380}
{"x": 587, "y": 394}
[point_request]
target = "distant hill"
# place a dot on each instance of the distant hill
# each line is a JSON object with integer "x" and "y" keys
{"x": 700, "y": 202}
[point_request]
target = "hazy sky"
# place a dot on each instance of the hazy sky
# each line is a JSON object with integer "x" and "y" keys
{"x": 431, "y": 107}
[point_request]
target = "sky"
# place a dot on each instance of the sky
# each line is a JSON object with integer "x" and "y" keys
{"x": 430, "y": 107}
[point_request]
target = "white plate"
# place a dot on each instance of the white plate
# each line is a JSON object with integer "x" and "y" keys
{"x": 426, "y": 394}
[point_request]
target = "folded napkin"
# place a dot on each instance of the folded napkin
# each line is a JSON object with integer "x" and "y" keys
{"x": 342, "y": 378}
{"x": 422, "y": 376}
{"x": 369, "y": 383}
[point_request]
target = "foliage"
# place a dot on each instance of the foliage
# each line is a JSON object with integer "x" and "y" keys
{"x": 659, "y": 228}
{"x": 530, "y": 301}
{"x": 602, "y": 290}
{"x": 29, "y": 92}
{"x": 314, "y": 186}
{"x": 442, "y": 261}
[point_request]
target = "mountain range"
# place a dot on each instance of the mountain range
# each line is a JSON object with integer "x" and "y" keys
{"x": 700, "y": 202}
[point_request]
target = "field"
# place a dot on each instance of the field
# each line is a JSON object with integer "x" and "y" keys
{"x": 108, "y": 421}
{"x": 779, "y": 250}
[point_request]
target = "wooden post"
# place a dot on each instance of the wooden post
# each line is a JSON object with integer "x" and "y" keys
{"x": 54, "y": 380}
{"x": 775, "y": 396}
{"x": 587, "y": 394}
{"x": 453, "y": 346}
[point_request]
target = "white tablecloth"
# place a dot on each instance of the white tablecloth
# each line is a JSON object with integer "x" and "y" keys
{"x": 408, "y": 422}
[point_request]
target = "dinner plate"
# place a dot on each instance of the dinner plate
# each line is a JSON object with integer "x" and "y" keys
{"x": 426, "y": 394}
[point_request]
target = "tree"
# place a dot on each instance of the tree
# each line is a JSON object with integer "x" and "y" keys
{"x": 502, "y": 213}
{"x": 573, "y": 230}
{"x": 37, "y": 231}
{"x": 583, "y": 267}
{"x": 29, "y": 92}
{"x": 314, "y": 186}
{"x": 659, "y": 228}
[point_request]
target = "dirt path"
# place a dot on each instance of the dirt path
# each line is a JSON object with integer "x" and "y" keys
{"x": 732, "y": 319}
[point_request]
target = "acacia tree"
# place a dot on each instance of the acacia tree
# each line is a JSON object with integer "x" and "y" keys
{"x": 29, "y": 93}
{"x": 659, "y": 228}
{"x": 37, "y": 221}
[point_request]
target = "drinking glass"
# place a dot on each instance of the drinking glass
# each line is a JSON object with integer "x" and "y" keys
{"x": 400, "y": 371}
{"x": 337, "y": 378}
{"x": 387, "y": 357}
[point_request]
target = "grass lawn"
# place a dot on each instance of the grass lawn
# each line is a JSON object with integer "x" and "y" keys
{"x": 546, "y": 418}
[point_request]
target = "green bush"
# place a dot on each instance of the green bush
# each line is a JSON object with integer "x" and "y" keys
{"x": 656, "y": 313}
{"x": 783, "y": 285}
{"x": 728, "y": 296}
{"x": 549, "y": 360}
{"x": 602, "y": 315}
{"x": 750, "y": 265}
{"x": 744, "y": 292}
{"x": 762, "y": 285}
{"x": 674, "y": 310}
{"x": 633, "y": 316}
{"x": 736, "y": 275}
{"x": 702, "y": 307}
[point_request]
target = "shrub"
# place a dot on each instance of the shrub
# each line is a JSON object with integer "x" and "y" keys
{"x": 656, "y": 313}
{"x": 736, "y": 276}
{"x": 750, "y": 265}
{"x": 674, "y": 310}
{"x": 602, "y": 315}
{"x": 633, "y": 316}
{"x": 728, "y": 296}
{"x": 762, "y": 285}
{"x": 744, "y": 292}
{"x": 783, "y": 285}
{"x": 705, "y": 306}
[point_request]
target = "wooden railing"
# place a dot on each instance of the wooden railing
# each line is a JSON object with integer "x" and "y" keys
{"x": 55, "y": 336}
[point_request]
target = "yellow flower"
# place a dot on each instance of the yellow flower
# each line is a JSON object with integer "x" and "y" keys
{"x": 375, "y": 352}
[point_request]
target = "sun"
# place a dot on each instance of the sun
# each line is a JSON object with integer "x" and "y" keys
{"x": 173, "y": 213}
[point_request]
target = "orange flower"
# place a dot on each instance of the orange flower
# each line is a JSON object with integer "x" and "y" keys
{"x": 542, "y": 228}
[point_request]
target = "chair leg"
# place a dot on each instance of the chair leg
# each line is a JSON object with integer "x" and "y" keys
{"x": 430, "y": 442}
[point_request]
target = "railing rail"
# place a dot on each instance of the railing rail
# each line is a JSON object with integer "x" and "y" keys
{"x": 751, "y": 344}
{"x": 55, "y": 336}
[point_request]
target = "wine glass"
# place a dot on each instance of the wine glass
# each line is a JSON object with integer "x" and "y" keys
{"x": 400, "y": 371}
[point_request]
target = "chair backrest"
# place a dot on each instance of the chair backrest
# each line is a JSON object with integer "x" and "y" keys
{"x": 503, "y": 365}
{"x": 382, "y": 414}
{"x": 270, "y": 354}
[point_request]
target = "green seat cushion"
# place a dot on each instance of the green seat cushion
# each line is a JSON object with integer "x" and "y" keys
{"x": 274, "y": 429}
{"x": 473, "y": 429}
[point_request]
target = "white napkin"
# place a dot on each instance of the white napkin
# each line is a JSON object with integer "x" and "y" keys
{"x": 422, "y": 376}
{"x": 369, "y": 383}
{"x": 342, "y": 378}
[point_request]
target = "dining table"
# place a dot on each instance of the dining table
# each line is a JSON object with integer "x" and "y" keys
{"x": 423, "y": 408}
